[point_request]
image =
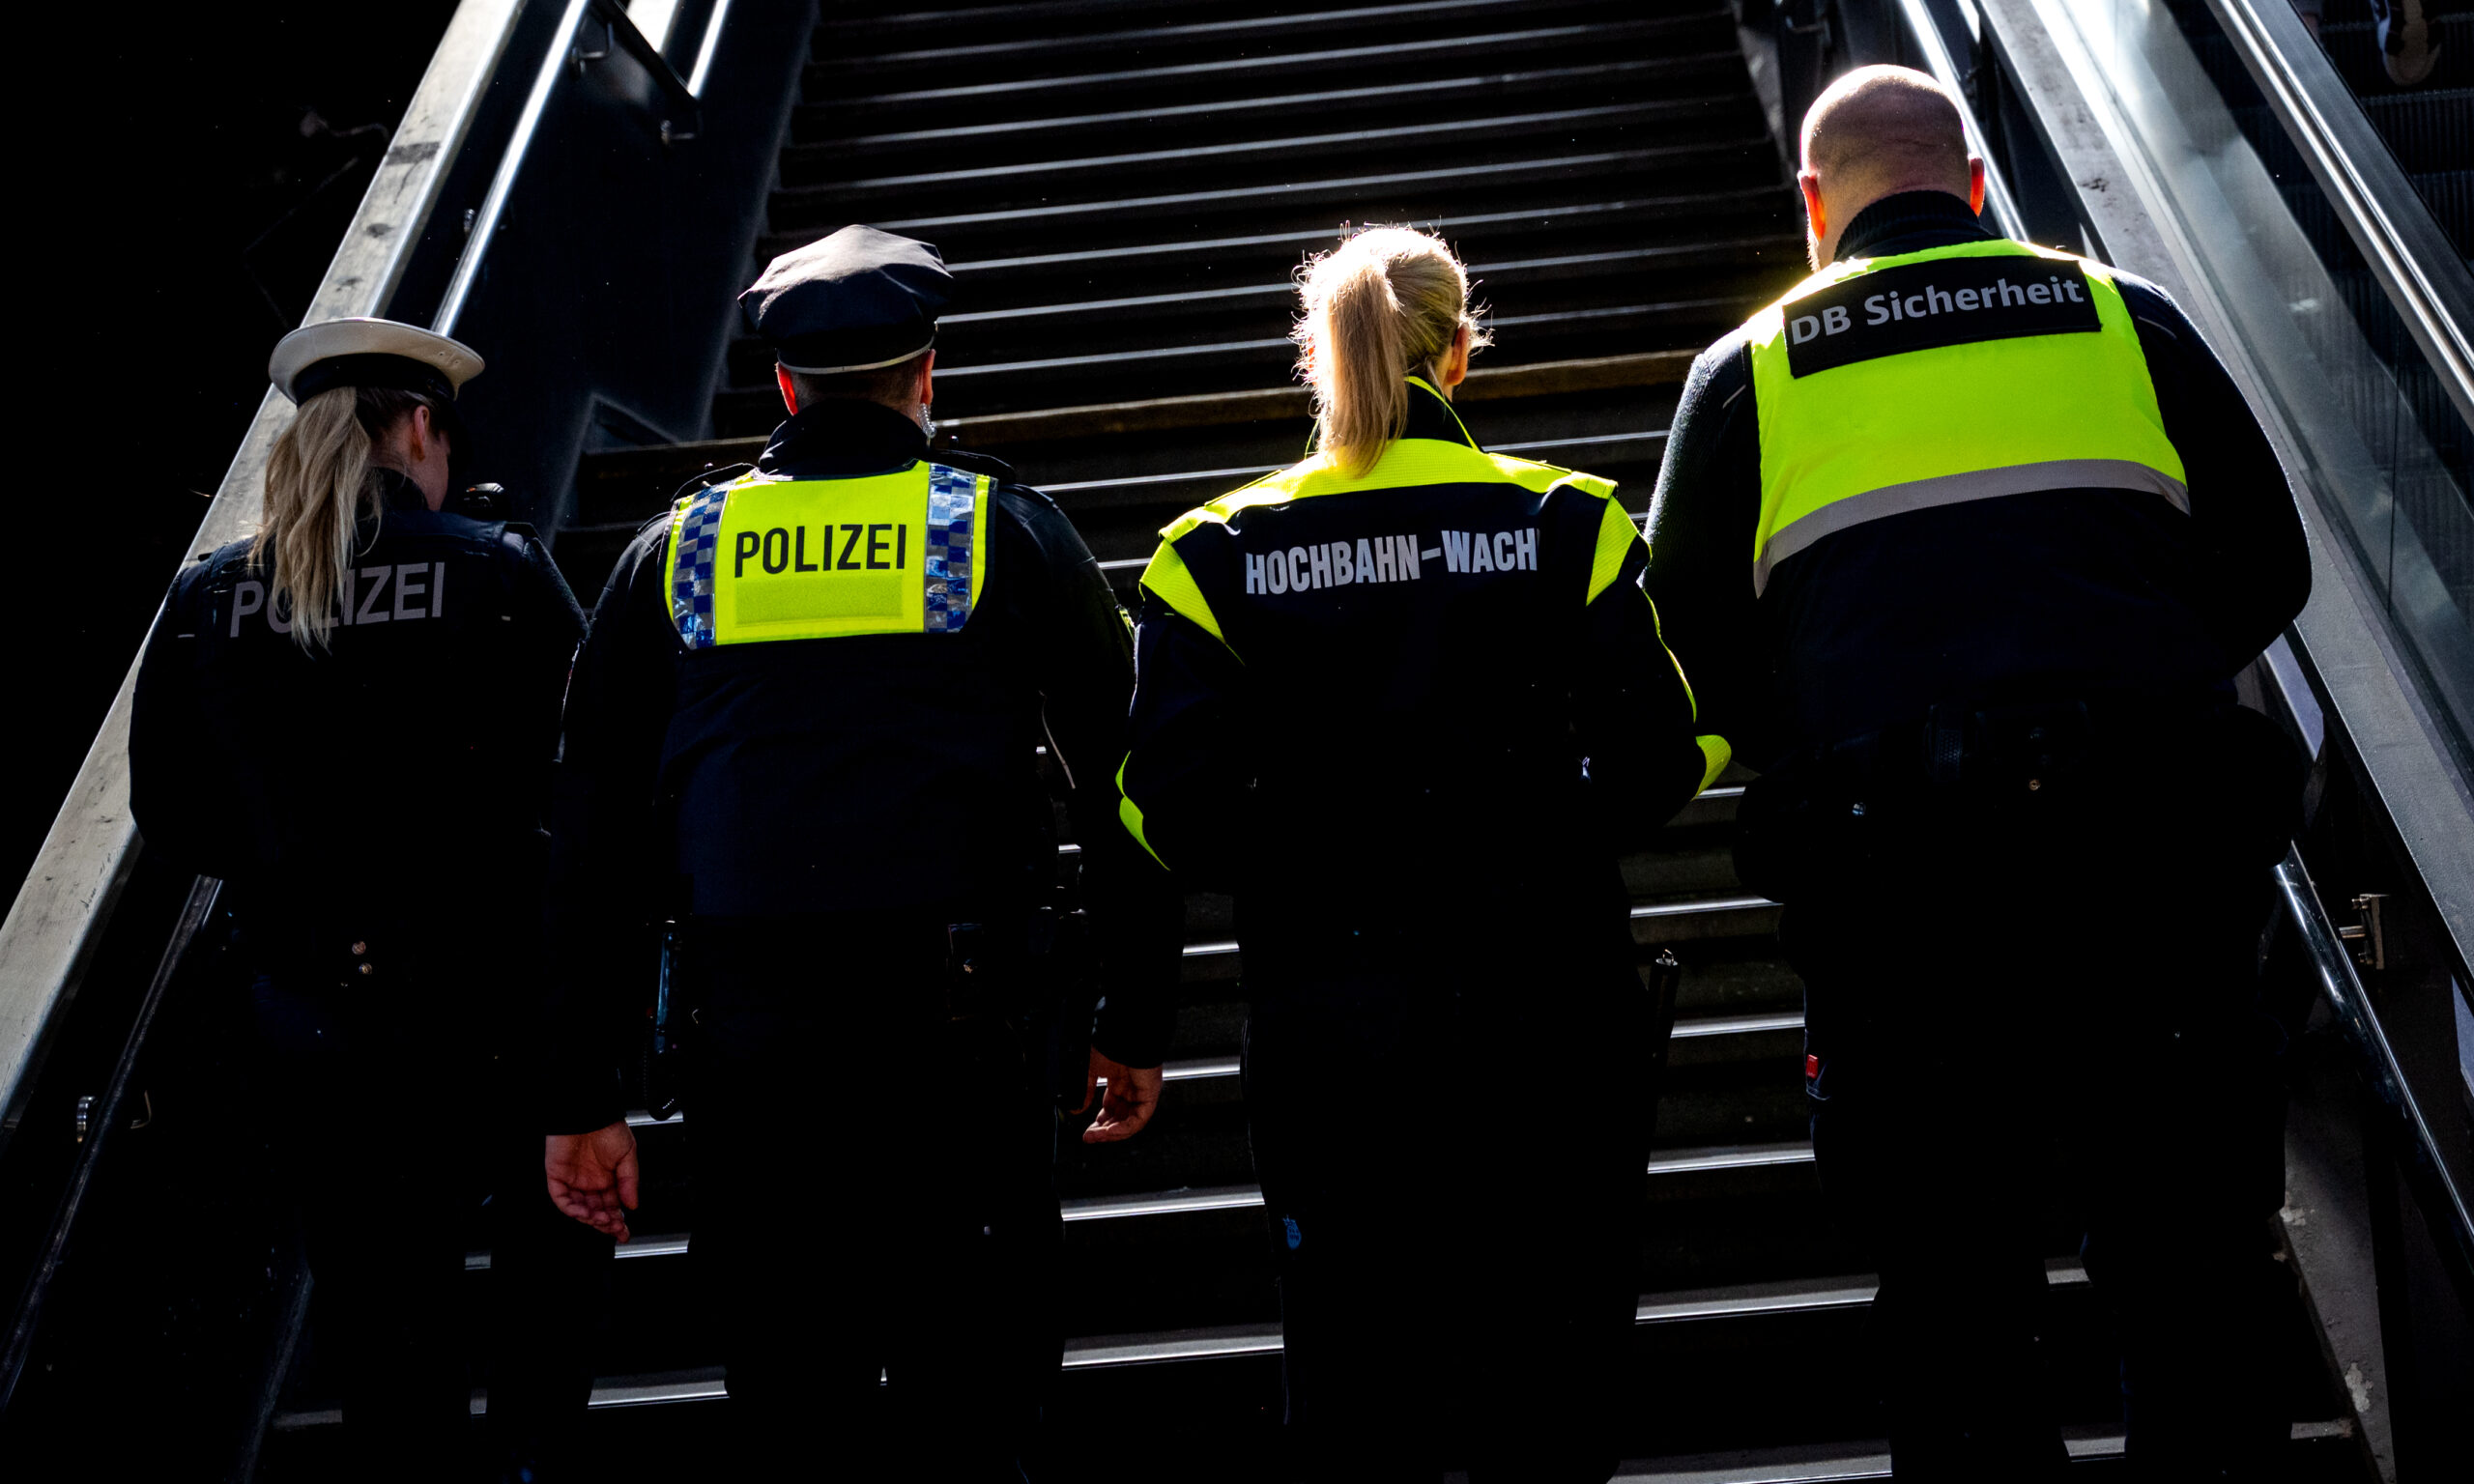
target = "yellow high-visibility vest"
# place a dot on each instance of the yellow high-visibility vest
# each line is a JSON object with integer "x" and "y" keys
{"x": 1955, "y": 374}
{"x": 762, "y": 559}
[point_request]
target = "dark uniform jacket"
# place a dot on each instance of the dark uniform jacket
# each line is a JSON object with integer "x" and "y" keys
{"x": 2066, "y": 594}
{"x": 399, "y": 777}
{"x": 892, "y": 776}
{"x": 1381, "y": 753}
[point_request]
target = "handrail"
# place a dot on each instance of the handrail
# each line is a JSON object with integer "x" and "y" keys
{"x": 632, "y": 39}
{"x": 203, "y": 896}
{"x": 2416, "y": 264}
{"x": 1922, "y": 29}
{"x": 57, "y": 921}
{"x": 485, "y": 221}
{"x": 2360, "y": 1020}
{"x": 553, "y": 67}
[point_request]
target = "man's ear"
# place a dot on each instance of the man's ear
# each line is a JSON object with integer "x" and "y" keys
{"x": 1809, "y": 183}
{"x": 1975, "y": 184}
{"x": 790, "y": 398}
{"x": 928, "y": 379}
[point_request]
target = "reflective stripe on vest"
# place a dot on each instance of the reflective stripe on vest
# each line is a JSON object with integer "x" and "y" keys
{"x": 763, "y": 560}
{"x": 1964, "y": 373}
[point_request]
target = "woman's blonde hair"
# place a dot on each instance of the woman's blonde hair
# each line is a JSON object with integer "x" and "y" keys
{"x": 1378, "y": 308}
{"x": 321, "y": 485}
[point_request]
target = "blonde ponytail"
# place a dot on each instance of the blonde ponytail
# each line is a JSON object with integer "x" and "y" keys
{"x": 320, "y": 487}
{"x": 1380, "y": 307}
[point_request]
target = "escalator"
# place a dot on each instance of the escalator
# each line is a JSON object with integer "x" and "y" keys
{"x": 2429, "y": 127}
{"x": 1123, "y": 188}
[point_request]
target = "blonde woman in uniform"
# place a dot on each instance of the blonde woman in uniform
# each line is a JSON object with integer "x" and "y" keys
{"x": 350, "y": 718}
{"x": 1406, "y": 701}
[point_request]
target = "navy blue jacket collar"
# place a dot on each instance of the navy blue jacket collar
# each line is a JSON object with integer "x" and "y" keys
{"x": 842, "y": 438}
{"x": 1432, "y": 417}
{"x": 398, "y": 495}
{"x": 1910, "y": 222}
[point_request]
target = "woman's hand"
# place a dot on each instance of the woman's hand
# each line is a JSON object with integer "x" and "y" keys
{"x": 1132, "y": 1095}
{"x": 592, "y": 1175}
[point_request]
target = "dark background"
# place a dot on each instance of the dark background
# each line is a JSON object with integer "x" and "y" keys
{"x": 190, "y": 181}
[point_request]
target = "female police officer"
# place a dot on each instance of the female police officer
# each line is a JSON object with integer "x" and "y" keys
{"x": 350, "y": 719}
{"x": 1406, "y": 701}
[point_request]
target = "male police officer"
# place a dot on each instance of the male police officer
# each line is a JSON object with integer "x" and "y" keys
{"x": 805, "y": 725}
{"x": 1961, "y": 543}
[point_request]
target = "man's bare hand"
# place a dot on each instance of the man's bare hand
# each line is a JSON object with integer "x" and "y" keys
{"x": 592, "y": 1175}
{"x": 1131, "y": 1097}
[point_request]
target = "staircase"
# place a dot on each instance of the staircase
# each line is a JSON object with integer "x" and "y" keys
{"x": 1123, "y": 188}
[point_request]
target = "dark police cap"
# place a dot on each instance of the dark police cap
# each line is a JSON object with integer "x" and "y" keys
{"x": 365, "y": 352}
{"x": 853, "y": 301}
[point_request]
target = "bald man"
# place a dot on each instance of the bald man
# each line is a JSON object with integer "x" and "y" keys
{"x": 1960, "y": 544}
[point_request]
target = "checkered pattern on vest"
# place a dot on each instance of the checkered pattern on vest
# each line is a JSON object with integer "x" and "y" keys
{"x": 699, "y": 539}
{"x": 950, "y": 493}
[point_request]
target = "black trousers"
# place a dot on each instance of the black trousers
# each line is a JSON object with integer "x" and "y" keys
{"x": 876, "y": 1225}
{"x": 1452, "y": 1158}
{"x": 2036, "y": 1007}
{"x": 403, "y": 1148}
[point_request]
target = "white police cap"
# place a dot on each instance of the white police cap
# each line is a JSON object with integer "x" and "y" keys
{"x": 365, "y": 352}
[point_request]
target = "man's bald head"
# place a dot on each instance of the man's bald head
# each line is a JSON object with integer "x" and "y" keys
{"x": 1875, "y": 132}
{"x": 1882, "y": 129}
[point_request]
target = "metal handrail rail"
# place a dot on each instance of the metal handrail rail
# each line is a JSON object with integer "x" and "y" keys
{"x": 2360, "y": 1020}
{"x": 204, "y": 892}
{"x": 2413, "y": 259}
{"x": 554, "y": 68}
{"x": 631, "y": 39}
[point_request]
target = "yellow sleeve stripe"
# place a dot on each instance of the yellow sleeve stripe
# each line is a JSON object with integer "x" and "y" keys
{"x": 1131, "y": 817}
{"x": 1169, "y": 580}
{"x": 1657, "y": 626}
{"x": 1716, "y": 755}
{"x": 1616, "y": 536}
